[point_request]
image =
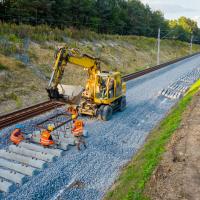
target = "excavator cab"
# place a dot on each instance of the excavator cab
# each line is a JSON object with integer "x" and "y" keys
{"x": 109, "y": 96}
{"x": 108, "y": 87}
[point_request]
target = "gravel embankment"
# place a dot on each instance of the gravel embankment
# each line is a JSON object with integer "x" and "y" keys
{"x": 88, "y": 174}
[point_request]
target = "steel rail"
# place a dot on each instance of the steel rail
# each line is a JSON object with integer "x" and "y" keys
{"x": 26, "y": 113}
{"x": 157, "y": 67}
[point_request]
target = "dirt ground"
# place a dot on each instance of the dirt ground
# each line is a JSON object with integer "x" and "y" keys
{"x": 178, "y": 174}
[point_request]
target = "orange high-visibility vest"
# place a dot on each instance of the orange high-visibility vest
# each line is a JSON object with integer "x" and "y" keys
{"x": 45, "y": 138}
{"x": 16, "y": 136}
{"x": 78, "y": 128}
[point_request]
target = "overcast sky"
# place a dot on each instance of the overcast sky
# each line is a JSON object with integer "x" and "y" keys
{"x": 174, "y": 9}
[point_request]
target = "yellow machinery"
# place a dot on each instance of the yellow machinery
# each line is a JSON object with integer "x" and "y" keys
{"x": 104, "y": 92}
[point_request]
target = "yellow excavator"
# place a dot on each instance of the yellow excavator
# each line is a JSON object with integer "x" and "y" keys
{"x": 103, "y": 94}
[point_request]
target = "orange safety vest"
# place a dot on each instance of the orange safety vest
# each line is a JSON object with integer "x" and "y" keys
{"x": 78, "y": 128}
{"x": 16, "y": 139}
{"x": 45, "y": 139}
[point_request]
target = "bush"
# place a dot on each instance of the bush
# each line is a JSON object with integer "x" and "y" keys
{"x": 14, "y": 38}
{"x": 3, "y": 67}
{"x": 8, "y": 48}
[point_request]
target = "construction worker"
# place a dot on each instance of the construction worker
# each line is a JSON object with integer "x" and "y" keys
{"x": 103, "y": 87}
{"x": 17, "y": 135}
{"x": 77, "y": 131}
{"x": 46, "y": 137}
{"x": 51, "y": 127}
{"x": 73, "y": 112}
{"x": 110, "y": 86}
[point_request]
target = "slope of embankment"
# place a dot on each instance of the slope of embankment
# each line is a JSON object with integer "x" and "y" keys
{"x": 27, "y": 54}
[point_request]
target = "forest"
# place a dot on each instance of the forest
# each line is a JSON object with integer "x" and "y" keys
{"x": 123, "y": 17}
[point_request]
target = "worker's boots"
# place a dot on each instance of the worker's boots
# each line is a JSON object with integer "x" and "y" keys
{"x": 78, "y": 146}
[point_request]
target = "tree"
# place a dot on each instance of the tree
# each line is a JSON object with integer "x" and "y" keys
{"x": 188, "y": 25}
{"x": 183, "y": 28}
{"x": 127, "y": 17}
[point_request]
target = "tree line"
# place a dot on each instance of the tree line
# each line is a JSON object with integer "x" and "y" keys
{"x": 124, "y": 17}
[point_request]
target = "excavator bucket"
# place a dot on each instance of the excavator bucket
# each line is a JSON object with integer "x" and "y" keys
{"x": 70, "y": 93}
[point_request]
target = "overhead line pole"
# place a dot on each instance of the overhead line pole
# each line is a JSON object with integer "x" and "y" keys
{"x": 191, "y": 43}
{"x": 158, "y": 52}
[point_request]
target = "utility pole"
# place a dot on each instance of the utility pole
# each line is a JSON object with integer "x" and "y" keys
{"x": 158, "y": 53}
{"x": 36, "y": 16}
{"x": 191, "y": 41}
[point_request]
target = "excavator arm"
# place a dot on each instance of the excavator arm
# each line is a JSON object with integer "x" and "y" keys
{"x": 73, "y": 56}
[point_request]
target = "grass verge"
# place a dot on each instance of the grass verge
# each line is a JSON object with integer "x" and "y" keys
{"x": 134, "y": 176}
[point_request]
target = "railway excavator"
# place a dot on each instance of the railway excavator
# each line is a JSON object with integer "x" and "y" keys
{"x": 103, "y": 94}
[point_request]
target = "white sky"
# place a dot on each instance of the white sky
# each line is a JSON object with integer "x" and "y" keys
{"x": 174, "y": 9}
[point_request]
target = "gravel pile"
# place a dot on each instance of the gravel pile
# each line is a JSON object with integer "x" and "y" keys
{"x": 88, "y": 174}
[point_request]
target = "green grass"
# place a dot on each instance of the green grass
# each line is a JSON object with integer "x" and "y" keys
{"x": 9, "y": 48}
{"x": 43, "y": 33}
{"x": 131, "y": 183}
{"x": 131, "y": 53}
{"x": 18, "y": 102}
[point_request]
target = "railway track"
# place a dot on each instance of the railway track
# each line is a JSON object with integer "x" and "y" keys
{"x": 19, "y": 164}
{"x": 37, "y": 109}
{"x": 157, "y": 67}
{"x": 26, "y": 113}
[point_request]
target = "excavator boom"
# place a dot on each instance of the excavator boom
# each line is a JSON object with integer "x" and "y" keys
{"x": 84, "y": 60}
{"x": 73, "y": 56}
